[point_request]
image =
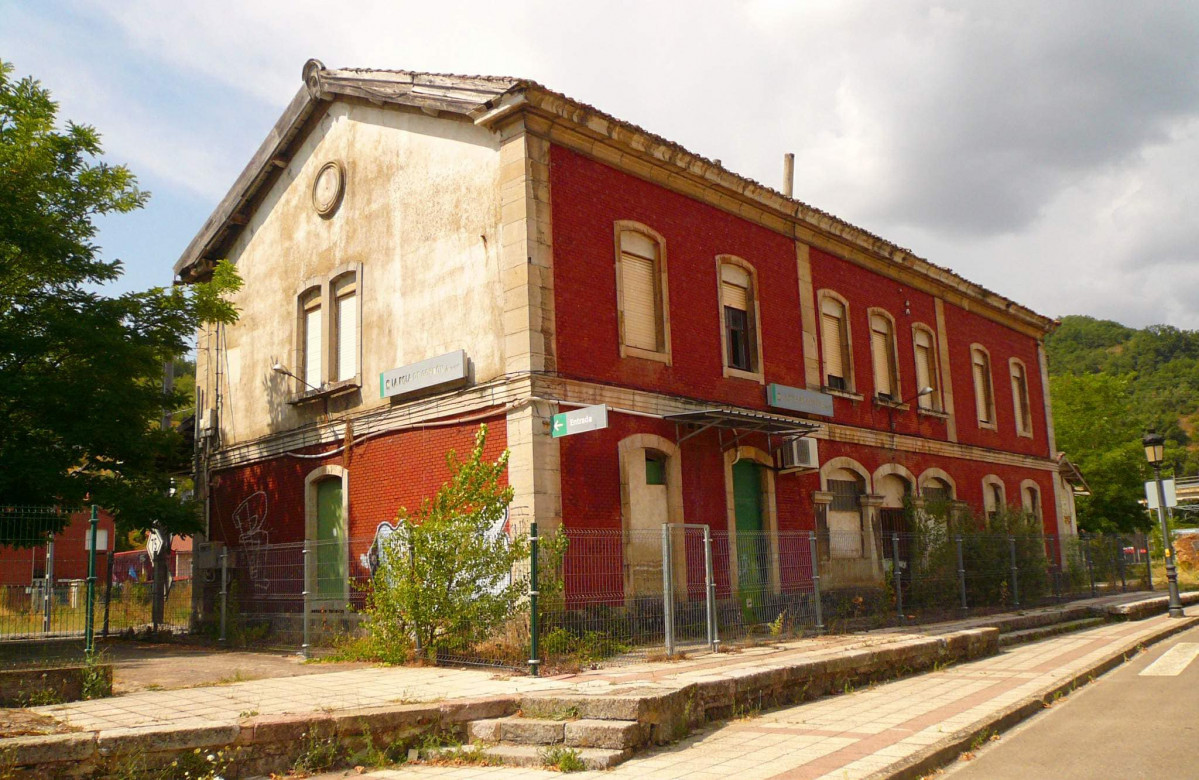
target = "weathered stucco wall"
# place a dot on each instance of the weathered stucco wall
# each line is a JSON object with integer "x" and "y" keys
{"x": 420, "y": 217}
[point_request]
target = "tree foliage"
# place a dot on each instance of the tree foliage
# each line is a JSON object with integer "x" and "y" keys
{"x": 1110, "y": 384}
{"x": 80, "y": 371}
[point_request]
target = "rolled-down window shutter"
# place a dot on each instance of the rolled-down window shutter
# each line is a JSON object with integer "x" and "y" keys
{"x": 982, "y": 387}
{"x": 640, "y": 309}
{"x": 312, "y": 347}
{"x": 347, "y": 336}
{"x": 832, "y": 334}
{"x": 734, "y": 283}
{"x": 641, "y": 314}
{"x": 880, "y": 351}
{"x": 1020, "y": 398}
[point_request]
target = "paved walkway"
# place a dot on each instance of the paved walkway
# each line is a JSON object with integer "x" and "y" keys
{"x": 854, "y": 735}
{"x": 358, "y": 688}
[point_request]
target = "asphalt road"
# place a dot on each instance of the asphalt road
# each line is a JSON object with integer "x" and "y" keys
{"x": 1124, "y": 726}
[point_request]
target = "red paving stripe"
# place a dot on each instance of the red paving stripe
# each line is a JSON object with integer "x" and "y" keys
{"x": 869, "y": 745}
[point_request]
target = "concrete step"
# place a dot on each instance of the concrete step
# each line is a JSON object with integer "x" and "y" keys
{"x": 582, "y": 732}
{"x": 1044, "y": 632}
{"x": 540, "y": 756}
{"x": 522, "y": 731}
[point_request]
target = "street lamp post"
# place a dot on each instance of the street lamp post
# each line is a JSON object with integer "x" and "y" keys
{"x": 1154, "y": 444}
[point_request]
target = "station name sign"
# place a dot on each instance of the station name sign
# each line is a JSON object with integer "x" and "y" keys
{"x": 797, "y": 399}
{"x": 436, "y": 372}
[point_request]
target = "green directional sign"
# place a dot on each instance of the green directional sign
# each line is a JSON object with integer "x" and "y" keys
{"x": 589, "y": 418}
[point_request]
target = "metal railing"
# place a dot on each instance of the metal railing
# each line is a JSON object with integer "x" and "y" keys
{"x": 618, "y": 596}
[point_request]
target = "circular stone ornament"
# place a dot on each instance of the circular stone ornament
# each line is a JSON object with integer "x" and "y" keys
{"x": 328, "y": 188}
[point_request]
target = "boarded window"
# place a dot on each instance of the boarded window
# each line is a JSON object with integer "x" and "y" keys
{"x": 345, "y": 292}
{"x": 642, "y": 312}
{"x": 983, "y": 396}
{"x": 1020, "y": 398}
{"x": 882, "y": 352}
{"x": 736, "y": 295}
{"x": 313, "y": 339}
{"x": 835, "y": 343}
{"x": 926, "y": 369}
{"x": 846, "y": 529}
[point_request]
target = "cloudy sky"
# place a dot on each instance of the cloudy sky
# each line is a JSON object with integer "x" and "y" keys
{"x": 1047, "y": 150}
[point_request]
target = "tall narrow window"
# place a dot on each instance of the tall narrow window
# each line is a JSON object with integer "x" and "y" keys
{"x": 924, "y": 345}
{"x": 736, "y": 298}
{"x": 993, "y": 498}
{"x": 834, "y": 336}
{"x": 313, "y": 341}
{"x": 882, "y": 352}
{"x": 984, "y": 396}
{"x": 1020, "y": 398}
{"x": 345, "y": 340}
{"x": 1032, "y": 501}
{"x": 642, "y": 312}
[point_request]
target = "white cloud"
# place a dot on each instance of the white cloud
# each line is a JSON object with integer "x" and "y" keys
{"x": 1041, "y": 149}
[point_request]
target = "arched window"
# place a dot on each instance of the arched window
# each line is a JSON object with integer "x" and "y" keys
{"x": 994, "y": 497}
{"x": 882, "y": 356}
{"x": 936, "y": 491}
{"x": 738, "y": 307}
{"x": 1020, "y": 405}
{"x": 834, "y": 342}
{"x": 984, "y": 394}
{"x": 641, "y": 292}
{"x": 924, "y": 345}
{"x": 1030, "y": 499}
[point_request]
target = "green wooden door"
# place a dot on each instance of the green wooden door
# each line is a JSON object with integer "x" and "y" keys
{"x": 331, "y": 540}
{"x": 751, "y": 542}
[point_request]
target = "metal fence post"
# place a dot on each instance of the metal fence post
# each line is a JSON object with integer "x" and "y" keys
{"x": 108, "y": 591}
{"x": 224, "y": 589}
{"x": 961, "y": 572}
{"x": 1120, "y": 564}
{"x": 534, "y": 628}
{"x": 816, "y": 581}
{"x": 710, "y": 582}
{"x": 1148, "y": 560}
{"x": 1015, "y": 574}
{"x": 896, "y": 578}
{"x": 667, "y": 590}
{"x": 89, "y": 628}
{"x": 48, "y": 590}
{"x": 1086, "y": 553}
{"x": 308, "y": 577}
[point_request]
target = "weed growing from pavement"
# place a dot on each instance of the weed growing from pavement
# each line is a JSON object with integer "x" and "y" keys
{"x": 95, "y": 678}
{"x": 563, "y": 759}
{"x": 318, "y": 753}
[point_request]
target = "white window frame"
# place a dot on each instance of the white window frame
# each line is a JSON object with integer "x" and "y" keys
{"x": 1020, "y": 400}
{"x": 983, "y": 396}
{"x": 933, "y": 402}
{"x": 754, "y": 325}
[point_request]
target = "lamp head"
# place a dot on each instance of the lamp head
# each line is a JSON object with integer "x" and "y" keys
{"x": 1154, "y": 444}
{"x": 924, "y": 391}
{"x": 279, "y": 368}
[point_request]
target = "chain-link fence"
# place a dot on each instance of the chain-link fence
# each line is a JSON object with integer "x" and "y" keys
{"x": 48, "y": 611}
{"x": 613, "y": 595}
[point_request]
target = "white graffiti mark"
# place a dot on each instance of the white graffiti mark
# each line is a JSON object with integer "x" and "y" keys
{"x": 249, "y": 518}
{"x": 377, "y": 554}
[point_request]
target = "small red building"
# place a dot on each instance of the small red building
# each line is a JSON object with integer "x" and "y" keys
{"x": 21, "y": 566}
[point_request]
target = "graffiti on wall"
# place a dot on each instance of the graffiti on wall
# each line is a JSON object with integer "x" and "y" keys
{"x": 252, "y": 537}
{"x": 382, "y": 546}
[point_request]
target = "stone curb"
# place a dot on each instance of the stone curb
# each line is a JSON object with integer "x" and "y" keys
{"x": 948, "y": 749}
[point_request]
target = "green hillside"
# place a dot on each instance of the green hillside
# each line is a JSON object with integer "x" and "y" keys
{"x": 1111, "y": 383}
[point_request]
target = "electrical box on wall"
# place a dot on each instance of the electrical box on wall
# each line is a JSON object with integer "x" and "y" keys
{"x": 798, "y": 454}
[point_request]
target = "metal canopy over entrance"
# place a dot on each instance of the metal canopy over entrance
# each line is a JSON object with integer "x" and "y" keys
{"x": 744, "y": 422}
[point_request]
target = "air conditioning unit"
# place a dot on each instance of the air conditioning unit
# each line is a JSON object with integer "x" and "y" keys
{"x": 798, "y": 454}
